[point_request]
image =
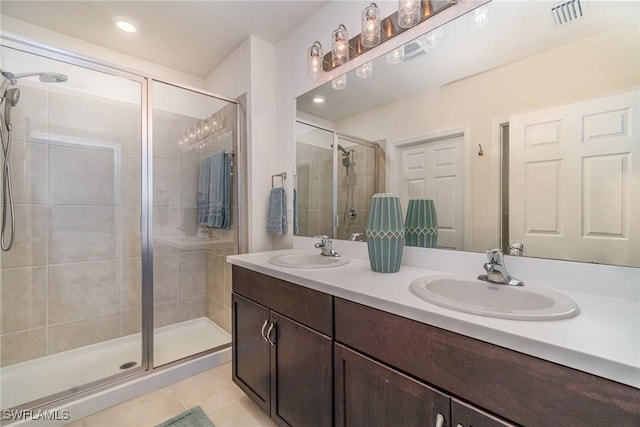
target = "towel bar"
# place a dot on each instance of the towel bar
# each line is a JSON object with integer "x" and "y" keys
{"x": 282, "y": 175}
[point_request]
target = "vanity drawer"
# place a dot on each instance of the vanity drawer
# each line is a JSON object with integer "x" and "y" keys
{"x": 307, "y": 306}
{"x": 522, "y": 388}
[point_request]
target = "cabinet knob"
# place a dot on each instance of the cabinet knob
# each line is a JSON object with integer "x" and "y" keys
{"x": 439, "y": 420}
{"x": 264, "y": 337}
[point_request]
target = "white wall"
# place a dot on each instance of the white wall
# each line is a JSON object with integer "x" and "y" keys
{"x": 251, "y": 69}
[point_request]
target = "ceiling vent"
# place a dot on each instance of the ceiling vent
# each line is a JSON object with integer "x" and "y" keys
{"x": 567, "y": 11}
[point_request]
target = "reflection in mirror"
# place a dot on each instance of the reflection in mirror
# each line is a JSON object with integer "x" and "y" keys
{"x": 353, "y": 173}
{"x": 563, "y": 98}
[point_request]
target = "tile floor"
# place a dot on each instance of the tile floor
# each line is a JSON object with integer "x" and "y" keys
{"x": 223, "y": 402}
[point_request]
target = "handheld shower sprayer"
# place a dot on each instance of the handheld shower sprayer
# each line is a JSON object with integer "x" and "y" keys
{"x": 10, "y": 96}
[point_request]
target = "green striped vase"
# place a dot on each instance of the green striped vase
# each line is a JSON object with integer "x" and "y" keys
{"x": 385, "y": 233}
{"x": 421, "y": 225}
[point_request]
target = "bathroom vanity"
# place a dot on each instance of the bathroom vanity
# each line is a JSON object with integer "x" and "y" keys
{"x": 312, "y": 349}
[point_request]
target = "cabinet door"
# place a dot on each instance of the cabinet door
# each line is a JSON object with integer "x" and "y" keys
{"x": 302, "y": 377}
{"x": 464, "y": 415}
{"x": 251, "y": 370}
{"x": 369, "y": 394}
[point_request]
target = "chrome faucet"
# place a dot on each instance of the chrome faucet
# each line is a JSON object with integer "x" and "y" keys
{"x": 496, "y": 271}
{"x": 356, "y": 237}
{"x": 325, "y": 245}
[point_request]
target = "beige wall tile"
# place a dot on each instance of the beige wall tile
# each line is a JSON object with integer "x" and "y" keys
{"x": 80, "y": 176}
{"x": 131, "y": 322}
{"x": 21, "y": 346}
{"x": 67, "y": 336}
{"x": 130, "y": 185}
{"x": 82, "y": 290}
{"x": 192, "y": 268}
{"x": 30, "y": 244}
{"x": 29, "y": 172}
{"x": 165, "y": 314}
{"x": 191, "y": 308}
{"x": 219, "y": 314}
{"x": 81, "y": 234}
{"x": 165, "y": 182}
{"x": 215, "y": 277}
{"x": 131, "y": 283}
{"x": 166, "y": 222}
{"x": 127, "y": 224}
{"x": 166, "y": 134}
{"x": 23, "y": 298}
{"x": 165, "y": 278}
{"x": 189, "y": 174}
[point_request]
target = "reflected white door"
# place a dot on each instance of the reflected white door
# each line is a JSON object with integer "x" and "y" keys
{"x": 435, "y": 169}
{"x": 574, "y": 181}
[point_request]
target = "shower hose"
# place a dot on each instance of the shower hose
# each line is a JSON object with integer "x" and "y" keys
{"x": 6, "y": 133}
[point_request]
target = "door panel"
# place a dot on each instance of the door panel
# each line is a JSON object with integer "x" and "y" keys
{"x": 435, "y": 169}
{"x": 574, "y": 183}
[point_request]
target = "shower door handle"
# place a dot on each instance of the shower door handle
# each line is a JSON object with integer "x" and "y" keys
{"x": 264, "y": 325}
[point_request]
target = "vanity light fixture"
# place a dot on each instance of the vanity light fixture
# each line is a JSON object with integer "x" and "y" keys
{"x": 314, "y": 60}
{"x": 396, "y": 56}
{"x": 125, "y": 24}
{"x": 340, "y": 45}
{"x": 365, "y": 71}
{"x": 479, "y": 17}
{"x": 376, "y": 30}
{"x": 370, "y": 35}
{"x": 340, "y": 82}
{"x": 408, "y": 13}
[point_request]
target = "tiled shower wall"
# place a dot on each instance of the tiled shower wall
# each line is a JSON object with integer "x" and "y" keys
{"x": 190, "y": 282}
{"x": 314, "y": 189}
{"x": 73, "y": 275}
{"x": 314, "y": 182}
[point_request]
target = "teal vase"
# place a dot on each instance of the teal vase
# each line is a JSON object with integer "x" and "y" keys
{"x": 421, "y": 225}
{"x": 385, "y": 233}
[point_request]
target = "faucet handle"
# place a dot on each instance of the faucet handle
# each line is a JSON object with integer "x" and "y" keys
{"x": 495, "y": 256}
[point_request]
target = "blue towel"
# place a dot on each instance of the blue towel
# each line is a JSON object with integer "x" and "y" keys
{"x": 277, "y": 221}
{"x": 214, "y": 191}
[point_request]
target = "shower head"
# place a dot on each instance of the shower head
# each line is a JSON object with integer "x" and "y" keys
{"x": 53, "y": 77}
{"x": 341, "y": 148}
{"x": 44, "y": 77}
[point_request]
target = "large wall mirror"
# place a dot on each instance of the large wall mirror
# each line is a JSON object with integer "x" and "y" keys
{"x": 522, "y": 131}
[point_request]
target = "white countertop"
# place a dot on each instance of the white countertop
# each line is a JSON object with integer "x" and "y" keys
{"x": 604, "y": 339}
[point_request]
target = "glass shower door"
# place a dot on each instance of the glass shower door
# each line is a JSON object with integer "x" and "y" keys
{"x": 195, "y": 205}
{"x": 357, "y": 183}
{"x": 70, "y": 284}
{"x": 313, "y": 211}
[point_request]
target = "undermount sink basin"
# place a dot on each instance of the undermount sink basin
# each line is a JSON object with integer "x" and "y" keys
{"x": 307, "y": 260}
{"x": 493, "y": 300}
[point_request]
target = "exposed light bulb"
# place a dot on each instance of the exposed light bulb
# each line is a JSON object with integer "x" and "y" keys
{"x": 370, "y": 35}
{"x": 314, "y": 60}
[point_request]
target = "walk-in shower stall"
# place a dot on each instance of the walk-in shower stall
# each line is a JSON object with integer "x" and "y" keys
{"x": 119, "y": 205}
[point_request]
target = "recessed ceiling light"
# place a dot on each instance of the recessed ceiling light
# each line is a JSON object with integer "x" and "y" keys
{"x": 318, "y": 99}
{"x": 125, "y": 25}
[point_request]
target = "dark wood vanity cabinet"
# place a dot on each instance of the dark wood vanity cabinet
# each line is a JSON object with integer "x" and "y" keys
{"x": 369, "y": 394}
{"x": 282, "y": 348}
{"x": 330, "y": 361}
{"x": 518, "y": 387}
